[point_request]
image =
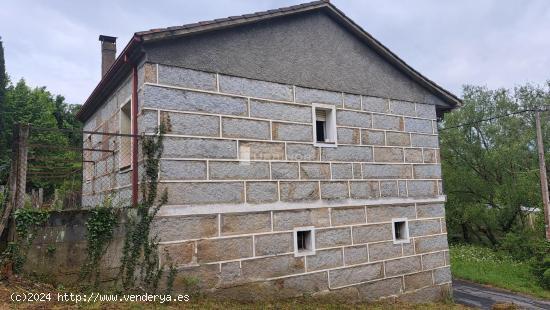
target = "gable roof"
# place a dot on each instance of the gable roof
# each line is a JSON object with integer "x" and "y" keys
{"x": 132, "y": 50}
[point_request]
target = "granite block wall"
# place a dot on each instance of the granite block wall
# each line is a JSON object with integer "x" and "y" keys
{"x": 242, "y": 172}
{"x": 250, "y": 255}
{"x": 230, "y": 132}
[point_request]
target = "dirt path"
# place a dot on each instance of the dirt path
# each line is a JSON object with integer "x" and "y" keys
{"x": 475, "y": 295}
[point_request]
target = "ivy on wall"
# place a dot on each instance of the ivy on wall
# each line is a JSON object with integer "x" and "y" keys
{"x": 139, "y": 270}
{"x": 100, "y": 227}
{"x": 27, "y": 222}
{"x": 140, "y": 263}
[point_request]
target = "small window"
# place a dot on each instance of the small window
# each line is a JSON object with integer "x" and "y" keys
{"x": 125, "y": 151}
{"x": 400, "y": 228}
{"x": 324, "y": 119}
{"x": 304, "y": 241}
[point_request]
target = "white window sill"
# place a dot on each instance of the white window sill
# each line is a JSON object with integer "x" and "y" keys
{"x": 402, "y": 241}
{"x": 304, "y": 253}
{"x": 321, "y": 144}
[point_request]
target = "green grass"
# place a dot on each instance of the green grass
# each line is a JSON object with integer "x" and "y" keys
{"x": 485, "y": 266}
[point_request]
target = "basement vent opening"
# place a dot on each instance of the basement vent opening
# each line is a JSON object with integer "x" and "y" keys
{"x": 400, "y": 228}
{"x": 304, "y": 241}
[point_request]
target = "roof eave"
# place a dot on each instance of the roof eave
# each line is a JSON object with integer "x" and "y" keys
{"x": 193, "y": 29}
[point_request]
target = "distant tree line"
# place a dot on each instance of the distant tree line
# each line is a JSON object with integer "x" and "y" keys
{"x": 20, "y": 103}
{"x": 490, "y": 169}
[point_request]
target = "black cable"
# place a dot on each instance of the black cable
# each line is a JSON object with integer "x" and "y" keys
{"x": 490, "y": 119}
{"x": 80, "y": 131}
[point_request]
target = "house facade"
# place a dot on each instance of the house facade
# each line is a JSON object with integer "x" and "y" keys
{"x": 300, "y": 157}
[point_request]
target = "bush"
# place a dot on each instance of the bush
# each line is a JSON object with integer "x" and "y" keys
{"x": 524, "y": 245}
{"x": 540, "y": 267}
{"x": 545, "y": 282}
{"x": 529, "y": 246}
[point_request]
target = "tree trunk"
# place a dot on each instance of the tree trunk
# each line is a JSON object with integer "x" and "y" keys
{"x": 465, "y": 233}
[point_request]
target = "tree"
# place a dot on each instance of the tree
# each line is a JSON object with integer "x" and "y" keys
{"x": 3, "y": 86}
{"x": 41, "y": 109}
{"x": 65, "y": 116}
{"x": 490, "y": 168}
{"x": 3, "y": 77}
{"x": 20, "y": 103}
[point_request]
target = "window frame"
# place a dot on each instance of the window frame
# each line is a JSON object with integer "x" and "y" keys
{"x": 121, "y": 111}
{"x": 311, "y": 250}
{"x": 406, "y": 238}
{"x": 330, "y": 124}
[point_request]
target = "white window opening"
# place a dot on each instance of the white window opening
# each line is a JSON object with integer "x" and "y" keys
{"x": 304, "y": 241}
{"x": 125, "y": 151}
{"x": 400, "y": 229}
{"x": 324, "y": 125}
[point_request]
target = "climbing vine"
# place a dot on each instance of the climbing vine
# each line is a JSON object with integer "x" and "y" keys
{"x": 139, "y": 268}
{"x": 139, "y": 264}
{"x": 100, "y": 226}
{"x": 172, "y": 272}
{"x": 27, "y": 222}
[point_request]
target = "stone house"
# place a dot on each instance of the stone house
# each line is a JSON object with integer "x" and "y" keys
{"x": 301, "y": 155}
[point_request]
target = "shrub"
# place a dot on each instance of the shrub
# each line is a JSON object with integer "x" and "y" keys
{"x": 524, "y": 245}
{"x": 540, "y": 267}
{"x": 545, "y": 282}
{"x": 531, "y": 247}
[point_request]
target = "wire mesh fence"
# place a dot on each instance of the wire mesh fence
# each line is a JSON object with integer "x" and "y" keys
{"x": 77, "y": 169}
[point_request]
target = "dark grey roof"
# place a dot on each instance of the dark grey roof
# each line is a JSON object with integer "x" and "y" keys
{"x": 215, "y": 24}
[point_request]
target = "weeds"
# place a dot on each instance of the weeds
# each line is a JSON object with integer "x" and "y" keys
{"x": 497, "y": 268}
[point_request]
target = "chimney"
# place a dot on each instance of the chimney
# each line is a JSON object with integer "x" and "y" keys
{"x": 108, "y": 53}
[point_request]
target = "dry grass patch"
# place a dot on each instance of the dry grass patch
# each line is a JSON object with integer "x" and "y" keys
{"x": 306, "y": 303}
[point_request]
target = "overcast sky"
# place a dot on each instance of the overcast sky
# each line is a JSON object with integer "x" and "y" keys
{"x": 487, "y": 42}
